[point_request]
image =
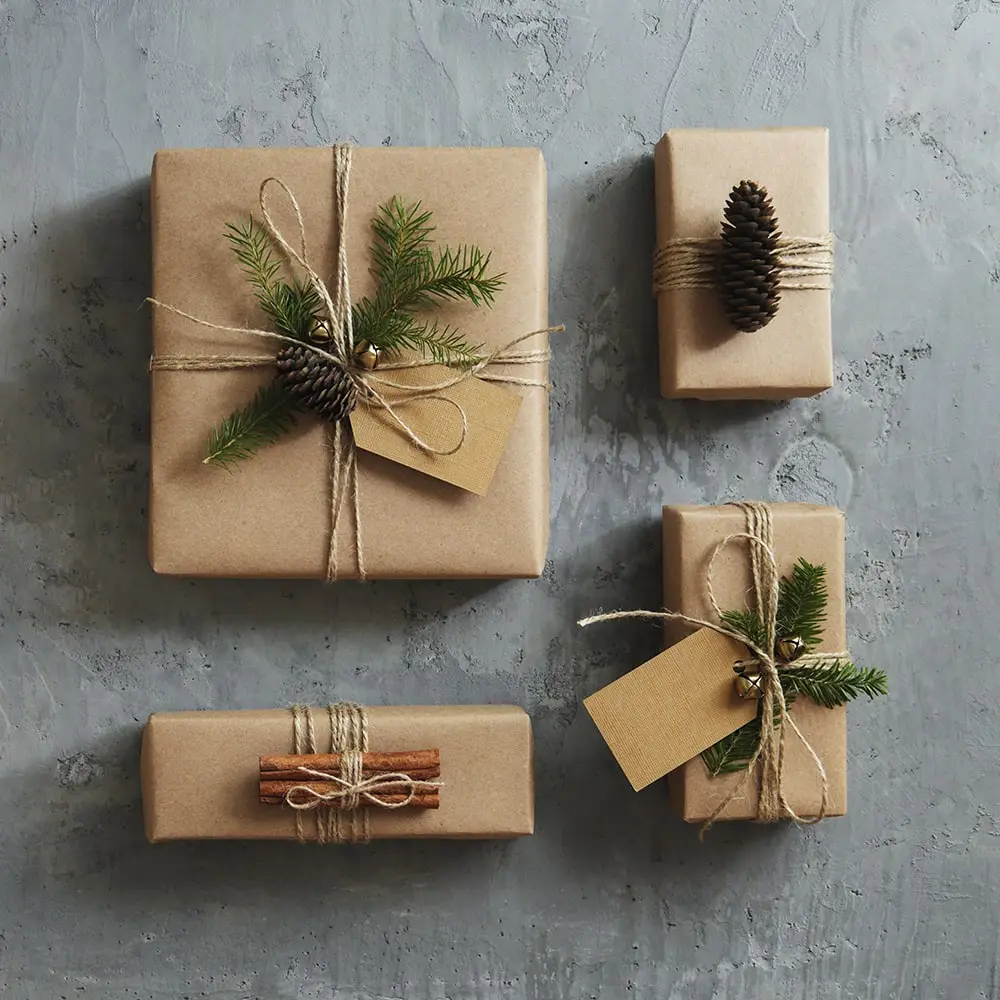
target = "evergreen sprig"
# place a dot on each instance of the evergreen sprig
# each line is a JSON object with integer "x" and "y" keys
{"x": 411, "y": 274}
{"x": 802, "y": 599}
{"x": 292, "y": 307}
{"x": 269, "y": 415}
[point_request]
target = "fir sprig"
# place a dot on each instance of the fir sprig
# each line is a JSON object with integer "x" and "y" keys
{"x": 269, "y": 415}
{"x": 412, "y": 275}
{"x": 292, "y": 307}
{"x": 833, "y": 683}
{"x": 802, "y": 599}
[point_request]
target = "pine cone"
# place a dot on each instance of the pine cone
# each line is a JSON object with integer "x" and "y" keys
{"x": 315, "y": 383}
{"x": 748, "y": 268}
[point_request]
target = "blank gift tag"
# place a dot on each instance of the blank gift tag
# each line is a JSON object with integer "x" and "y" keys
{"x": 674, "y": 706}
{"x": 490, "y": 412}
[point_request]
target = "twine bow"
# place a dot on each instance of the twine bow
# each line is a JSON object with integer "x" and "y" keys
{"x": 772, "y": 805}
{"x": 336, "y": 307}
{"x": 354, "y": 791}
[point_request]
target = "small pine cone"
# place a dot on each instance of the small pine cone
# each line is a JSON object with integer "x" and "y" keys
{"x": 748, "y": 267}
{"x": 315, "y": 383}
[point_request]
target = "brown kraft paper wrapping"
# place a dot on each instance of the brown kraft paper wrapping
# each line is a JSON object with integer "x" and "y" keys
{"x": 271, "y": 517}
{"x": 701, "y": 355}
{"x": 200, "y": 773}
{"x": 807, "y": 531}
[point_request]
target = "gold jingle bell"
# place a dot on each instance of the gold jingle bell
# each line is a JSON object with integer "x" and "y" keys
{"x": 748, "y": 685}
{"x": 790, "y": 648}
{"x": 319, "y": 332}
{"x": 367, "y": 355}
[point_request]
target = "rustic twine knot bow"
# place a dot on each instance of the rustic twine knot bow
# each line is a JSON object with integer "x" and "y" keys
{"x": 353, "y": 791}
{"x": 370, "y": 386}
{"x": 342, "y": 813}
{"x": 772, "y": 805}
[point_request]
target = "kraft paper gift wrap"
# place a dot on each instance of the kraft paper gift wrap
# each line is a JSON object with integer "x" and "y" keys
{"x": 270, "y": 517}
{"x": 701, "y": 355}
{"x": 808, "y": 531}
{"x": 200, "y": 772}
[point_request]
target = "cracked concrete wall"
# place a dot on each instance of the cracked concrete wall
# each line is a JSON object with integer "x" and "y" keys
{"x": 613, "y": 894}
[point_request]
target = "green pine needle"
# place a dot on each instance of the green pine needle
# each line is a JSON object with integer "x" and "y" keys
{"x": 748, "y": 624}
{"x": 268, "y": 416}
{"x": 833, "y": 683}
{"x": 733, "y": 752}
{"x": 412, "y": 276}
{"x": 802, "y": 604}
{"x": 291, "y": 307}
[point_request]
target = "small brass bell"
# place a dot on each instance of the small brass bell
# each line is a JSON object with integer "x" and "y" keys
{"x": 319, "y": 331}
{"x": 748, "y": 685}
{"x": 790, "y": 648}
{"x": 367, "y": 355}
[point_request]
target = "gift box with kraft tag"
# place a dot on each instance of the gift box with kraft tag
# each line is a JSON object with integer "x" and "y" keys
{"x": 807, "y": 531}
{"x": 701, "y": 354}
{"x": 271, "y": 517}
{"x": 659, "y": 717}
{"x": 200, "y": 773}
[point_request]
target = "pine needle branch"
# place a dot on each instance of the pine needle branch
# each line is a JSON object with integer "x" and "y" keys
{"x": 834, "y": 683}
{"x": 748, "y": 624}
{"x": 411, "y": 275}
{"x": 733, "y": 752}
{"x": 802, "y": 600}
{"x": 292, "y": 307}
{"x": 269, "y": 415}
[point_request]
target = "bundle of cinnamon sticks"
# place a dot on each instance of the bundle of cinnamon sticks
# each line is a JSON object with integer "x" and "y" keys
{"x": 278, "y": 775}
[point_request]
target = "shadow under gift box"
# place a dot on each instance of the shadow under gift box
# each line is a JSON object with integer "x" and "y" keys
{"x": 271, "y": 517}
{"x": 807, "y": 531}
{"x": 701, "y": 354}
{"x": 200, "y": 773}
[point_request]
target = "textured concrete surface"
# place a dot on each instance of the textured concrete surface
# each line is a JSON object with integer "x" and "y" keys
{"x": 613, "y": 894}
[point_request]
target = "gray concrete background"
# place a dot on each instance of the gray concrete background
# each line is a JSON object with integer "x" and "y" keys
{"x": 613, "y": 894}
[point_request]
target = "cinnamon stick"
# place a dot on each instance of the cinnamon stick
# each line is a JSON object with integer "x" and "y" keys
{"x": 274, "y": 792}
{"x": 426, "y": 762}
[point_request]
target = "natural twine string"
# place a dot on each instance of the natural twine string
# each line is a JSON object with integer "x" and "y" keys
{"x": 692, "y": 262}
{"x": 342, "y": 813}
{"x": 340, "y": 350}
{"x": 772, "y": 804}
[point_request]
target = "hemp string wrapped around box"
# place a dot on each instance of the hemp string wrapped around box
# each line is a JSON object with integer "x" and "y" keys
{"x": 749, "y": 264}
{"x": 331, "y": 364}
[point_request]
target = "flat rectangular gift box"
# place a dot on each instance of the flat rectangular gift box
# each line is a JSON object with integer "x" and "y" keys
{"x": 200, "y": 773}
{"x": 270, "y": 518}
{"x": 808, "y": 531}
{"x": 701, "y": 355}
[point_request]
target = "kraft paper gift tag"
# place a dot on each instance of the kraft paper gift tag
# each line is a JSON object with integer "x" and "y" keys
{"x": 487, "y": 412}
{"x": 673, "y": 707}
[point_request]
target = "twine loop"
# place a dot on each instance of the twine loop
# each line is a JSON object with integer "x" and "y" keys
{"x": 772, "y": 805}
{"x": 356, "y": 790}
{"x": 692, "y": 262}
{"x": 336, "y": 307}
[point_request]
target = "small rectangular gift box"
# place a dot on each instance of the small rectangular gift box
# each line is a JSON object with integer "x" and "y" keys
{"x": 355, "y": 774}
{"x": 703, "y": 353}
{"x": 659, "y": 717}
{"x": 479, "y": 511}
